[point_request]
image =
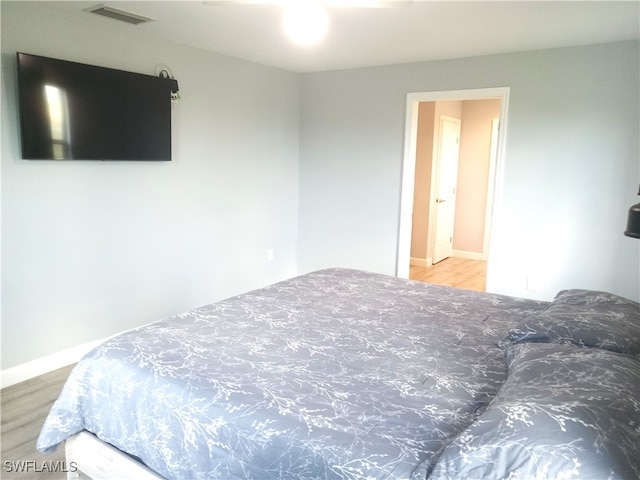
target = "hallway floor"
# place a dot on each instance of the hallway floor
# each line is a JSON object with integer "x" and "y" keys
{"x": 455, "y": 272}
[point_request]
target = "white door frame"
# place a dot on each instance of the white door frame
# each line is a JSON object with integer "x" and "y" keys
{"x": 493, "y": 156}
{"x": 409, "y": 162}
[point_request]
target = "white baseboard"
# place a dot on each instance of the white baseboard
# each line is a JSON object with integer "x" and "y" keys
{"x": 49, "y": 363}
{"x": 418, "y": 262}
{"x": 427, "y": 262}
{"x": 421, "y": 262}
{"x": 468, "y": 255}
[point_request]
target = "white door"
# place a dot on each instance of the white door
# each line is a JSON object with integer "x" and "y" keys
{"x": 447, "y": 174}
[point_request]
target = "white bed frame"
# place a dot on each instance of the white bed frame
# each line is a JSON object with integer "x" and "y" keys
{"x": 91, "y": 458}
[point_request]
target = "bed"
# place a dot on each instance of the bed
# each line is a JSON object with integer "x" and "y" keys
{"x": 346, "y": 374}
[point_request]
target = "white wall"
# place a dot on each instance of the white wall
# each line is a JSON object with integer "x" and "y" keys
{"x": 90, "y": 249}
{"x": 571, "y": 166}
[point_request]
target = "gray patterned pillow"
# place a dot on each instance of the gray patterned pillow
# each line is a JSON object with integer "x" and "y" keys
{"x": 584, "y": 317}
{"x": 563, "y": 412}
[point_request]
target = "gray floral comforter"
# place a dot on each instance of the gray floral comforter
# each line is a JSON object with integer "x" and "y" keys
{"x": 334, "y": 374}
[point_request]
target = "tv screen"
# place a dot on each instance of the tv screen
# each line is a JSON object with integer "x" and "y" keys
{"x": 73, "y": 111}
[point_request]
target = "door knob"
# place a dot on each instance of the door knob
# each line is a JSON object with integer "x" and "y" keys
{"x": 441, "y": 200}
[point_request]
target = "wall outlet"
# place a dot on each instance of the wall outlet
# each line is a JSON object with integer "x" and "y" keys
{"x": 269, "y": 254}
{"x": 532, "y": 283}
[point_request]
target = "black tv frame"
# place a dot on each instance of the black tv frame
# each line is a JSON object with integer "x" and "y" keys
{"x": 75, "y": 111}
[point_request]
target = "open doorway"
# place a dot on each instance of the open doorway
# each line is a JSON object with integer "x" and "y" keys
{"x": 477, "y": 181}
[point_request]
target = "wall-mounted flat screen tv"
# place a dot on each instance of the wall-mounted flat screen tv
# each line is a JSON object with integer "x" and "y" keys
{"x": 73, "y": 111}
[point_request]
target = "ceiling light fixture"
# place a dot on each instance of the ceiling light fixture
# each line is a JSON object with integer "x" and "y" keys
{"x": 305, "y": 22}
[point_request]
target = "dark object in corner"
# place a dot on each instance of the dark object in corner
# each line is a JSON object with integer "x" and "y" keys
{"x": 633, "y": 222}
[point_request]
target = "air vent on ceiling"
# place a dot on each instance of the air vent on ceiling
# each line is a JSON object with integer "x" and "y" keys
{"x": 117, "y": 14}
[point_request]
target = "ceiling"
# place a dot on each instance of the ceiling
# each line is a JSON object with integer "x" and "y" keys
{"x": 424, "y": 30}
